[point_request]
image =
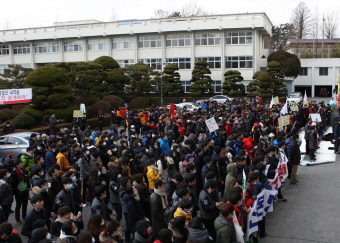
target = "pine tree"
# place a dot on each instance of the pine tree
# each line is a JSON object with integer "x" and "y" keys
{"x": 172, "y": 85}
{"x": 262, "y": 85}
{"x": 200, "y": 79}
{"x": 230, "y": 86}
{"x": 275, "y": 72}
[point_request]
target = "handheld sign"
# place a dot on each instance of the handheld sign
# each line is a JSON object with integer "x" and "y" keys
{"x": 77, "y": 113}
{"x": 315, "y": 117}
{"x": 211, "y": 124}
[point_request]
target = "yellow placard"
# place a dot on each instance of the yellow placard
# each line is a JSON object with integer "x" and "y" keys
{"x": 276, "y": 100}
{"x": 294, "y": 106}
{"x": 77, "y": 113}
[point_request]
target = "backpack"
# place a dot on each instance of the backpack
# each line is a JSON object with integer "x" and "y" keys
{"x": 169, "y": 214}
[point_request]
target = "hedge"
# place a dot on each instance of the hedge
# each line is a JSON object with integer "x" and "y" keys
{"x": 11, "y": 113}
{"x": 3, "y": 116}
{"x": 87, "y": 100}
{"x": 114, "y": 101}
{"x": 36, "y": 114}
{"x": 24, "y": 121}
{"x": 139, "y": 102}
{"x": 106, "y": 106}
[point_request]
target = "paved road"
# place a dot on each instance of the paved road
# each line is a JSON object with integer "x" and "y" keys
{"x": 311, "y": 213}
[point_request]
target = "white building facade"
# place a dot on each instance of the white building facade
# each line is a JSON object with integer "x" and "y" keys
{"x": 227, "y": 42}
{"x": 316, "y": 74}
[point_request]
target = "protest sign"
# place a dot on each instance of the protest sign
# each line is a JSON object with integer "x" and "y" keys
{"x": 294, "y": 106}
{"x": 211, "y": 124}
{"x": 315, "y": 117}
{"x": 276, "y": 100}
{"x": 262, "y": 206}
{"x": 77, "y": 113}
{"x": 15, "y": 96}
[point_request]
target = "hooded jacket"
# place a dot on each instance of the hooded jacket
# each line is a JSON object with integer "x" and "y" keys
{"x": 225, "y": 230}
{"x": 64, "y": 166}
{"x": 6, "y": 193}
{"x": 200, "y": 235}
{"x": 152, "y": 174}
{"x": 230, "y": 180}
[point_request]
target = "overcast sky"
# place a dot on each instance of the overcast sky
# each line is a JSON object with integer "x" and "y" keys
{"x": 36, "y": 13}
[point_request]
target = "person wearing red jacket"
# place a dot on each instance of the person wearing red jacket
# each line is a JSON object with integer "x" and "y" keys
{"x": 181, "y": 129}
{"x": 228, "y": 128}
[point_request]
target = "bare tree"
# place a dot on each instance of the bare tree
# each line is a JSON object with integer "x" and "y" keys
{"x": 302, "y": 20}
{"x": 330, "y": 25}
{"x": 192, "y": 9}
{"x": 160, "y": 14}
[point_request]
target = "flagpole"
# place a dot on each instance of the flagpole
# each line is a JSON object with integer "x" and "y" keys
{"x": 323, "y": 31}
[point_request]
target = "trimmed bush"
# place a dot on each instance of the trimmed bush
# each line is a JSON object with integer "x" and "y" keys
{"x": 39, "y": 99}
{"x": 107, "y": 62}
{"x": 24, "y": 121}
{"x": 87, "y": 100}
{"x": 37, "y": 115}
{"x": 139, "y": 102}
{"x": 60, "y": 101}
{"x": 125, "y": 97}
{"x": 3, "y": 116}
{"x": 106, "y": 105}
{"x": 92, "y": 110}
{"x": 11, "y": 113}
{"x": 114, "y": 101}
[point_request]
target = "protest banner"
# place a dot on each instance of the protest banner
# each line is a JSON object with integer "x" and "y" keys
{"x": 281, "y": 174}
{"x": 15, "y": 96}
{"x": 276, "y": 100}
{"x": 77, "y": 113}
{"x": 211, "y": 124}
{"x": 260, "y": 208}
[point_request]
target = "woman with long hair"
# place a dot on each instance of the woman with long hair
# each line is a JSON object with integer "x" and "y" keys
{"x": 198, "y": 232}
{"x": 94, "y": 180}
{"x": 85, "y": 237}
{"x": 113, "y": 232}
{"x": 143, "y": 232}
{"x": 165, "y": 236}
{"x": 95, "y": 226}
{"x": 144, "y": 195}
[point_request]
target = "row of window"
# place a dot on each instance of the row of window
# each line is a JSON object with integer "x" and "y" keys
{"x": 323, "y": 71}
{"x": 216, "y": 85}
{"x": 5, "y": 66}
{"x": 211, "y": 39}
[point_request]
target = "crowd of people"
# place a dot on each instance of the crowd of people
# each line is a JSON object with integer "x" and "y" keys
{"x": 163, "y": 171}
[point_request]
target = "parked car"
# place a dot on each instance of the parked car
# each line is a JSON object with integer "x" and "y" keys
{"x": 220, "y": 98}
{"x": 189, "y": 105}
{"x": 294, "y": 97}
{"x": 15, "y": 144}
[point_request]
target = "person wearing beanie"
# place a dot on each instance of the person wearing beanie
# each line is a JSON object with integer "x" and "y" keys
{"x": 8, "y": 164}
{"x": 40, "y": 234}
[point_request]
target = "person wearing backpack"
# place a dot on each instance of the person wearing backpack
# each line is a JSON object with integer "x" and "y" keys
{"x": 28, "y": 160}
{"x": 159, "y": 203}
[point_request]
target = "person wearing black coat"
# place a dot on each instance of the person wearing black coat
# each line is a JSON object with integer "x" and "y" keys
{"x": 98, "y": 205}
{"x": 7, "y": 229}
{"x": 199, "y": 163}
{"x": 207, "y": 167}
{"x": 38, "y": 212}
{"x": 295, "y": 157}
{"x": 135, "y": 213}
{"x": 6, "y": 192}
{"x": 53, "y": 179}
{"x": 65, "y": 196}
{"x": 159, "y": 203}
{"x": 154, "y": 150}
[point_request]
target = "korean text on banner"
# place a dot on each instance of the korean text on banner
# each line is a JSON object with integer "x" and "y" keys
{"x": 77, "y": 113}
{"x": 211, "y": 124}
{"x": 262, "y": 206}
{"x": 14, "y": 96}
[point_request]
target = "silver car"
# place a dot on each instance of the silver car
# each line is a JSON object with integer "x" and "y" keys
{"x": 220, "y": 98}
{"x": 15, "y": 144}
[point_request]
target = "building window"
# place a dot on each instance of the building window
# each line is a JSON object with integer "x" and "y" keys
{"x": 214, "y": 62}
{"x": 207, "y": 39}
{"x": 97, "y": 45}
{"x": 216, "y": 84}
{"x": 123, "y": 43}
{"x": 155, "y": 63}
{"x": 2, "y": 68}
{"x": 45, "y": 47}
{"x": 239, "y": 38}
{"x": 323, "y": 71}
{"x": 149, "y": 42}
{"x": 303, "y": 71}
{"x": 4, "y": 50}
{"x": 73, "y": 46}
{"x": 178, "y": 40}
{"x": 239, "y": 62}
{"x": 125, "y": 63}
{"x": 21, "y": 49}
{"x": 186, "y": 86}
{"x": 182, "y": 62}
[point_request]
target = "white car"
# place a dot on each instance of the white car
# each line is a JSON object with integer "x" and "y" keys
{"x": 294, "y": 97}
{"x": 189, "y": 105}
{"x": 220, "y": 98}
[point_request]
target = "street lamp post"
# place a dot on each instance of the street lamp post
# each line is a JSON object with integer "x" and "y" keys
{"x": 162, "y": 81}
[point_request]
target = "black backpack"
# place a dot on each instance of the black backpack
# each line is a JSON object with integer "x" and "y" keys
{"x": 169, "y": 214}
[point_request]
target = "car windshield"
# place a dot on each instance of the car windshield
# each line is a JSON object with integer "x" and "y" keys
{"x": 294, "y": 96}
